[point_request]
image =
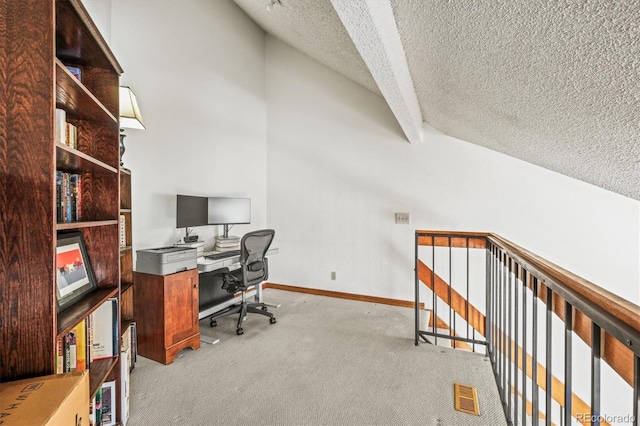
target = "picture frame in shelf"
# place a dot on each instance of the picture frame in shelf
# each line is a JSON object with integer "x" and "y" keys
{"x": 74, "y": 276}
{"x": 108, "y": 412}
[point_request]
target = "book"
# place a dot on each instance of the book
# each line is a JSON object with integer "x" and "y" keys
{"x": 78, "y": 192}
{"x": 126, "y": 339}
{"x": 59, "y": 196}
{"x": 97, "y": 408}
{"x": 60, "y": 126}
{"x": 104, "y": 331}
{"x": 74, "y": 196}
{"x": 60, "y": 356}
{"x": 66, "y": 341}
{"x": 125, "y": 355}
{"x": 72, "y": 352}
{"x": 71, "y": 139}
{"x": 134, "y": 344}
{"x": 66, "y": 198}
{"x": 89, "y": 339}
{"x": 80, "y": 332}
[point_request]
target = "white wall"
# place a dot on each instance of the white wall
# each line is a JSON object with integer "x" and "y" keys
{"x": 100, "y": 13}
{"x": 197, "y": 68}
{"x": 339, "y": 167}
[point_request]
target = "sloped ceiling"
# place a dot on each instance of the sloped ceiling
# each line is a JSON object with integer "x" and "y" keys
{"x": 554, "y": 83}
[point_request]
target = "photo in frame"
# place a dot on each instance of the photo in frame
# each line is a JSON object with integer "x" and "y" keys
{"x": 74, "y": 277}
{"x": 108, "y": 411}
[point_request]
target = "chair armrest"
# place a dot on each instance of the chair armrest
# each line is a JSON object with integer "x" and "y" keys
{"x": 256, "y": 266}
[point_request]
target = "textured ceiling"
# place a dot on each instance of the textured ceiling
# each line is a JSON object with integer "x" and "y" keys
{"x": 312, "y": 27}
{"x": 554, "y": 83}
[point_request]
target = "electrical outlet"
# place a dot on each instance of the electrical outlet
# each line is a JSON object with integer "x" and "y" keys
{"x": 333, "y": 275}
{"x": 403, "y": 218}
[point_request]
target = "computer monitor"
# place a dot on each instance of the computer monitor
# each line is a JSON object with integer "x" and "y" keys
{"x": 191, "y": 211}
{"x": 228, "y": 211}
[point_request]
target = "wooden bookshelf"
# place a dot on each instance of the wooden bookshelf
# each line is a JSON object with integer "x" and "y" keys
{"x": 39, "y": 39}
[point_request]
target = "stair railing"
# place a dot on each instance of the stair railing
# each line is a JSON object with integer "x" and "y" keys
{"x": 524, "y": 313}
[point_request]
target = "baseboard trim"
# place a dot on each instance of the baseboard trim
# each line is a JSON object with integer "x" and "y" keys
{"x": 341, "y": 295}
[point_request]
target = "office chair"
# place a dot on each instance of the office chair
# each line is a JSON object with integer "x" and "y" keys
{"x": 254, "y": 270}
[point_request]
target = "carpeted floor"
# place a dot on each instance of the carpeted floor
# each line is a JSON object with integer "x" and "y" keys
{"x": 325, "y": 362}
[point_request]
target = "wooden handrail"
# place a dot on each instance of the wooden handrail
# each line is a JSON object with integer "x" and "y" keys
{"x": 456, "y": 238}
{"x": 622, "y": 309}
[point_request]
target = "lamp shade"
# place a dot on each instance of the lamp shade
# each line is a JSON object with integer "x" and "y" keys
{"x": 130, "y": 117}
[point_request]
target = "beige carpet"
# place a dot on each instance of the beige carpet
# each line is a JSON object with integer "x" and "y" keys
{"x": 325, "y": 362}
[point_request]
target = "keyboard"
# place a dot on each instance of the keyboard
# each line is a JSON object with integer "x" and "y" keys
{"x": 223, "y": 254}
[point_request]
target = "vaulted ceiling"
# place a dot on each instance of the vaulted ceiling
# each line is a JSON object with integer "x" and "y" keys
{"x": 554, "y": 83}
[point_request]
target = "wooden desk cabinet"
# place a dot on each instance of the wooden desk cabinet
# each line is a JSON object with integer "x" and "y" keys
{"x": 166, "y": 310}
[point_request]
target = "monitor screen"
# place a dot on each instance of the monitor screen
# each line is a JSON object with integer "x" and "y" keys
{"x": 191, "y": 211}
{"x": 228, "y": 211}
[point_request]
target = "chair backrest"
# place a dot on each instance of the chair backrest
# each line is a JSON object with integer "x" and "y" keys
{"x": 253, "y": 248}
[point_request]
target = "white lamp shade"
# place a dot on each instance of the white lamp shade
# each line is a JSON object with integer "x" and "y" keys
{"x": 130, "y": 117}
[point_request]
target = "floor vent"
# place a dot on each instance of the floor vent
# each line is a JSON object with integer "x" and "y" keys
{"x": 466, "y": 399}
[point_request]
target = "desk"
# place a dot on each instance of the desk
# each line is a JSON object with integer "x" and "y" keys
{"x": 231, "y": 262}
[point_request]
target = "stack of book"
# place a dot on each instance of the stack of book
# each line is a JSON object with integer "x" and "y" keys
{"x": 68, "y": 197}
{"x": 65, "y": 133}
{"x": 198, "y": 245}
{"x": 227, "y": 244}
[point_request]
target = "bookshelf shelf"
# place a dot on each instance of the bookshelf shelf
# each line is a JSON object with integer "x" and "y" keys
{"x": 76, "y": 312}
{"x": 74, "y": 161}
{"x": 84, "y": 224}
{"x": 124, "y": 287}
{"x": 76, "y": 99}
{"x": 100, "y": 371}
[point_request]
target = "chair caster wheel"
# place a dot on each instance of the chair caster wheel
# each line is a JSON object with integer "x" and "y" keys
{"x": 264, "y": 308}
{"x": 239, "y": 331}
{"x": 213, "y": 323}
{"x": 272, "y": 320}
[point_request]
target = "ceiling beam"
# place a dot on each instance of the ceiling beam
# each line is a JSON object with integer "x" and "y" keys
{"x": 372, "y": 27}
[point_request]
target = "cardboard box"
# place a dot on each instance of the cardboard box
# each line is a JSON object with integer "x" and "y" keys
{"x": 59, "y": 399}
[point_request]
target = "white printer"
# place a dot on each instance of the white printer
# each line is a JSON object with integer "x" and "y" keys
{"x": 166, "y": 260}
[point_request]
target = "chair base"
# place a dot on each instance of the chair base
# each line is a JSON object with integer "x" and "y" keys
{"x": 242, "y": 309}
